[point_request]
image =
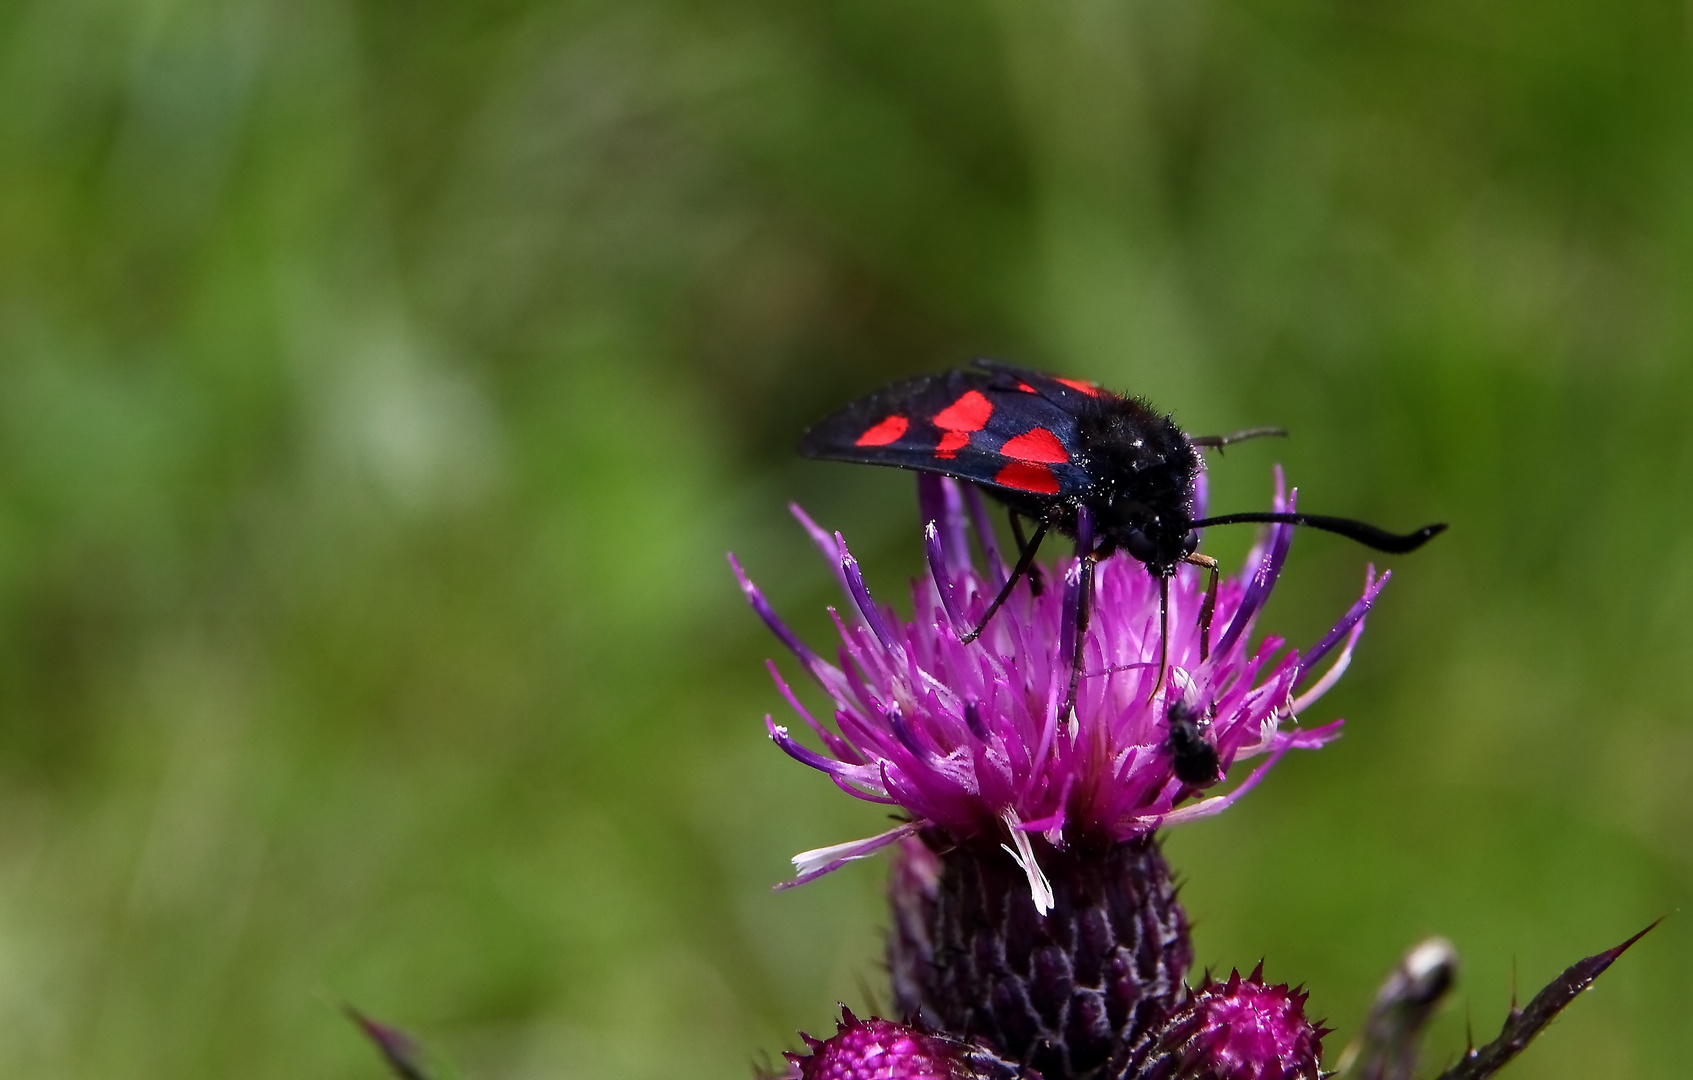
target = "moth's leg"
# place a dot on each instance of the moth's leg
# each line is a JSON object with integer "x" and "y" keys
{"x": 1163, "y": 635}
{"x": 1084, "y": 608}
{"x": 1209, "y": 607}
{"x": 1036, "y": 578}
{"x": 1024, "y": 561}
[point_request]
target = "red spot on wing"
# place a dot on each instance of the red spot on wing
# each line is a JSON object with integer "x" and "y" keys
{"x": 1036, "y": 445}
{"x": 1026, "y": 388}
{"x": 885, "y": 432}
{"x": 951, "y": 443}
{"x": 969, "y": 413}
{"x": 1085, "y": 387}
{"x": 1028, "y": 476}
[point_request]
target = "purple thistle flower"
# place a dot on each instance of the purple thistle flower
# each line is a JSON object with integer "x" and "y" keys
{"x": 1239, "y": 1030}
{"x": 1033, "y": 913}
{"x": 968, "y": 740}
{"x": 883, "y": 1050}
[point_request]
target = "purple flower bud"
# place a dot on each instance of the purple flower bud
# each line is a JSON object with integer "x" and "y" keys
{"x": 883, "y": 1050}
{"x": 1243, "y": 1029}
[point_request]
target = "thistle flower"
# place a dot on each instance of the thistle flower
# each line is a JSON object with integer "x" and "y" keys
{"x": 968, "y": 740}
{"x": 1032, "y": 907}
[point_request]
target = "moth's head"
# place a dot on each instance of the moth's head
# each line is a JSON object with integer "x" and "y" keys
{"x": 1146, "y": 471}
{"x": 1159, "y": 536}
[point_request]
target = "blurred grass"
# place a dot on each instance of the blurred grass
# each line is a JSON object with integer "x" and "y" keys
{"x": 383, "y": 382}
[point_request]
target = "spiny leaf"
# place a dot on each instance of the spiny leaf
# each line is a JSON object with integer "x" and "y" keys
{"x": 1524, "y": 1024}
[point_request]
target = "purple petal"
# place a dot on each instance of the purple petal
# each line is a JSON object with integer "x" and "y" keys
{"x": 1072, "y": 604}
{"x": 1084, "y": 531}
{"x": 1372, "y": 588}
{"x": 1258, "y": 591}
{"x": 802, "y": 753}
{"x": 939, "y": 571}
{"x": 996, "y": 568}
{"x": 902, "y": 731}
{"x": 768, "y": 614}
{"x": 860, "y": 594}
{"x": 837, "y": 745}
{"x": 1255, "y": 555}
{"x": 853, "y": 673}
{"x": 825, "y": 543}
{"x": 859, "y": 793}
{"x": 938, "y": 502}
{"x": 1326, "y": 682}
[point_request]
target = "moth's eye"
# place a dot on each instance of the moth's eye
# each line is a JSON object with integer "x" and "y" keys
{"x": 1139, "y": 545}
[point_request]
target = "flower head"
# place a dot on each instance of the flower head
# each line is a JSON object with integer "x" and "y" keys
{"x": 968, "y": 738}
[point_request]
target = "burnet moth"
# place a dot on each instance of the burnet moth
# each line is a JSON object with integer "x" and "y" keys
{"x": 1109, "y": 471}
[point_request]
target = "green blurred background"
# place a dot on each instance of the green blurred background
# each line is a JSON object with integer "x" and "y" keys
{"x": 383, "y": 383}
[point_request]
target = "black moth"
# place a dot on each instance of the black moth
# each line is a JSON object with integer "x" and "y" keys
{"x": 1109, "y": 471}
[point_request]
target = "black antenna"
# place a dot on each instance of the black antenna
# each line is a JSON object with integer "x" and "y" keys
{"x": 1363, "y": 532}
{"x": 1220, "y": 441}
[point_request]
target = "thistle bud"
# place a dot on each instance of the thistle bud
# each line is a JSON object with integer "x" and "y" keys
{"x": 877, "y": 1049}
{"x": 1242, "y": 1029}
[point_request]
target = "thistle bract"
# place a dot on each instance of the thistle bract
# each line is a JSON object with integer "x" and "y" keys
{"x": 967, "y": 738}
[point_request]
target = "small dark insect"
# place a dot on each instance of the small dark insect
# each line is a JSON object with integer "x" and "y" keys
{"x": 1110, "y": 471}
{"x": 1195, "y": 759}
